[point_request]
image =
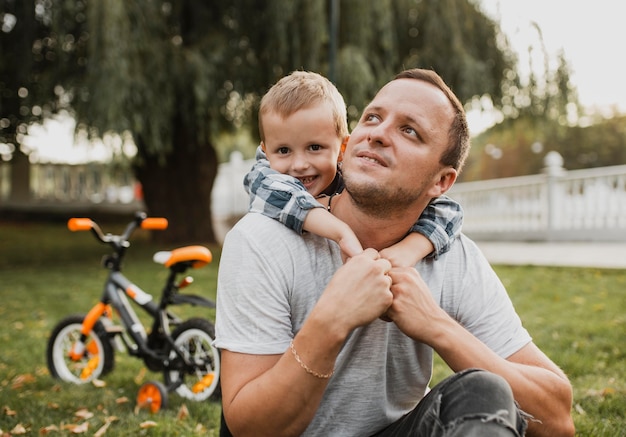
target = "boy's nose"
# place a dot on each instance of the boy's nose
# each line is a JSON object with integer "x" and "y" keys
{"x": 300, "y": 163}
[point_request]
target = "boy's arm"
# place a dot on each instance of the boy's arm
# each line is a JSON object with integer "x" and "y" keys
{"x": 321, "y": 222}
{"x": 278, "y": 196}
{"x": 285, "y": 199}
{"x": 432, "y": 234}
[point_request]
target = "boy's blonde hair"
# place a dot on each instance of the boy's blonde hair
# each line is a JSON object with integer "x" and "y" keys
{"x": 301, "y": 90}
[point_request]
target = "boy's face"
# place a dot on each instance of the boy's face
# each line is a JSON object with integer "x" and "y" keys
{"x": 304, "y": 145}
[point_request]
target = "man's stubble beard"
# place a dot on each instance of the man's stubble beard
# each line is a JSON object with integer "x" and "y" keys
{"x": 379, "y": 200}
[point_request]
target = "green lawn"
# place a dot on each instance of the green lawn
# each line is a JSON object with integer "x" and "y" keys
{"x": 578, "y": 316}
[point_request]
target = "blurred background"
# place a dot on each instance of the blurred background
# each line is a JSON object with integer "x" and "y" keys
{"x": 109, "y": 107}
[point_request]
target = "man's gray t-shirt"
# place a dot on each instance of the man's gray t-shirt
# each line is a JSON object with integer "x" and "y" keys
{"x": 270, "y": 279}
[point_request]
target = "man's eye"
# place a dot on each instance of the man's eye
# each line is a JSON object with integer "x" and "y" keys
{"x": 411, "y": 131}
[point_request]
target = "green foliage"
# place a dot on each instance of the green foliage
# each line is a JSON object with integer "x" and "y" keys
{"x": 523, "y": 143}
{"x": 577, "y": 316}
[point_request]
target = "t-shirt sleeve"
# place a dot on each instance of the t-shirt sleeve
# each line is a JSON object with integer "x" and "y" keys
{"x": 250, "y": 292}
{"x": 481, "y": 303}
{"x": 278, "y": 196}
{"x": 441, "y": 223}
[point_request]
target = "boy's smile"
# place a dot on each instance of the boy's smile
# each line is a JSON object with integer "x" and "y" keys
{"x": 304, "y": 145}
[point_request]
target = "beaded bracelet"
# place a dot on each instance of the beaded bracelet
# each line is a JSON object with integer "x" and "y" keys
{"x": 306, "y": 368}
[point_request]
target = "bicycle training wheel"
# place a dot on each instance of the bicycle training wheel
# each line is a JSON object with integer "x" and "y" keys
{"x": 153, "y": 396}
{"x": 97, "y": 360}
{"x": 201, "y": 380}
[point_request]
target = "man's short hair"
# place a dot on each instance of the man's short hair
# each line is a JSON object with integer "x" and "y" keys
{"x": 458, "y": 135}
{"x": 301, "y": 90}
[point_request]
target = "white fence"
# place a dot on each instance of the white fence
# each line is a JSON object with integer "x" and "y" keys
{"x": 578, "y": 205}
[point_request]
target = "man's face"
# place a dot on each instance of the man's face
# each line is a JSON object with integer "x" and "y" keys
{"x": 304, "y": 145}
{"x": 393, "y": 156}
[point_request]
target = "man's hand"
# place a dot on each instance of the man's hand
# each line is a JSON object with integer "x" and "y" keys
{"x": 358, "y": 293}
{"x": 413, "y": 310}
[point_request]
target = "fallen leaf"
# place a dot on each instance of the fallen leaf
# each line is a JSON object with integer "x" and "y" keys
{"x": 80, "y": 429}
{"x": 8, "y": 411}
{"x": 608, "y": 391}
{"x": 183, "y": 412}
{"x": 20, "y": 380}
{"x": 53, "y": 405}
{"x": 48, "y": 429}
{"x": 140, "y": 376}
{"x": 579, "y": 409}
{"x": 147, "y": 424}
{"x": 121, "y": 400}
{"x": 102, "y": 430}
{"x": 98, "y": 383}
{"x": 18, "y": 429}
{"x": 83, "y": 414}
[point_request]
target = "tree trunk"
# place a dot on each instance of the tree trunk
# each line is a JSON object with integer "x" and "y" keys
{"x": 181, "y": 191}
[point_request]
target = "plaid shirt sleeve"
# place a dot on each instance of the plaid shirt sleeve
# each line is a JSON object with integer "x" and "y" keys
{"x": 441, "y": 223}
{"x": 278, "y": 196}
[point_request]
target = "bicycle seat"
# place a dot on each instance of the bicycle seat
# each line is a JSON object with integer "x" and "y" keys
{"x": 194, "y": 256}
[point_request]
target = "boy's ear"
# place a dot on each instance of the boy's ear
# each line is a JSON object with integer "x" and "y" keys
{"x": 263, "y": 147}
{"x": 342, "y": 149}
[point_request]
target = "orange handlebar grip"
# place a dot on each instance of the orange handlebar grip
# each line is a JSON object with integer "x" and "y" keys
{"x": 154, "y": 223}
{"x": 79, "y": 224}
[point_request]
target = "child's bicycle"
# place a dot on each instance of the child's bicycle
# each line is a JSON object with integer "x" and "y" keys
{"x": 81, "y": 347}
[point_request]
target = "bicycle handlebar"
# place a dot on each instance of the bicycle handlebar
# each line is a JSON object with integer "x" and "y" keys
{"x": 76, "y": 224}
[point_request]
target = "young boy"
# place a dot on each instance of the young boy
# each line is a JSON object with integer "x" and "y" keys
{"x": 303, "y": 129}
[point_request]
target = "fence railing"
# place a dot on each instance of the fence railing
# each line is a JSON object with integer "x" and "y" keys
{"x": 577, "y": 205}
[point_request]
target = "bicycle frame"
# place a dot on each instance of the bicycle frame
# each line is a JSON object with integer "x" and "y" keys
{"x": 119, "y": 288}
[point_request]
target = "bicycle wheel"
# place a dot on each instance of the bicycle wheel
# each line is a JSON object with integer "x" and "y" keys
{"x": 97, "y": 360}
{"x": 194, "y": 338}
{"x": 153, "y": 396}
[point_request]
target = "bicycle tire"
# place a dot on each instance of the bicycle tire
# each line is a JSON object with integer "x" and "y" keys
{"x": 195, "y": 337}
{"x": 97, "y": 361}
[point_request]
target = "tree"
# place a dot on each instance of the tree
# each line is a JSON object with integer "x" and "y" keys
{"x": 175, "y": 75}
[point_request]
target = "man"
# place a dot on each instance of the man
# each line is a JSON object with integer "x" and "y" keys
{"x": 311, "y": 346}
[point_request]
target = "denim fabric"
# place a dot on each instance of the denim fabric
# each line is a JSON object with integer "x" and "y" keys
{"x": 469, "y": 403}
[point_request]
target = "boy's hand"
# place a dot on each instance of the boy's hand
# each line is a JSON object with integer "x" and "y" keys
{"x": 350, "y": 245}
{"x": 409, "y": 251}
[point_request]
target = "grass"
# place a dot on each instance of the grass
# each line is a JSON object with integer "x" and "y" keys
{"x": 577, "y": 316}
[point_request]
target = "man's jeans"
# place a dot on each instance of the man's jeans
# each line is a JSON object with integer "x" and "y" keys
{"x": 469, "y": 403}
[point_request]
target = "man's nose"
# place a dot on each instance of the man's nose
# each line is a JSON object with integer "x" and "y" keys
{"x": 379, "y": 134}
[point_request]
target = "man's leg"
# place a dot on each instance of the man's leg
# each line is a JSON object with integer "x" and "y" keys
{"x": 469, "y": 403}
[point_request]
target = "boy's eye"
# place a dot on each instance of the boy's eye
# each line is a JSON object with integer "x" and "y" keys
{"x": 282, "y": 150}
{"x": 315, "y": 147}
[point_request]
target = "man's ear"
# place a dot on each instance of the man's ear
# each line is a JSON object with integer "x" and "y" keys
{"x": 446, "y": 178}
{"x": 342, "y": 149}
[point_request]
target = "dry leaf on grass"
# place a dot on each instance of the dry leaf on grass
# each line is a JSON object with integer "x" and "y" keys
{"x": 18, "y": 429}
{"x": 183, "y": 412}
{"x": 8, "y": 411}
{"x": 140, "y": 376}
{"x": 98, "y": 383}
{"x": 20, "y": 380}
{"x": 48, "y": 429}
{"x": 121, "y": 400}
{"x": 83, "y": 413}
{"x": 77, "y": 429}
{"x": 147, "y": 424}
